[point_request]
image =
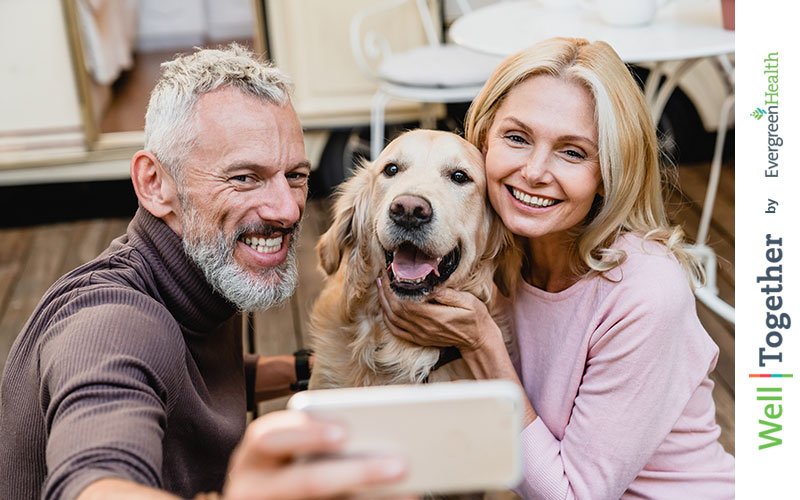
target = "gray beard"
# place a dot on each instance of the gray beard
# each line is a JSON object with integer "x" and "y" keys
{"x": 214, "y": 256}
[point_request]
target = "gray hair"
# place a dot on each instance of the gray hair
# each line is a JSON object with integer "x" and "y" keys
{"x": 212, "y": 251}
{"x": 169, "y": 130}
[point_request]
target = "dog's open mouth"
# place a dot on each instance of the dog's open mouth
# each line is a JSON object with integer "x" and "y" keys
{"x": 413, "y": 272}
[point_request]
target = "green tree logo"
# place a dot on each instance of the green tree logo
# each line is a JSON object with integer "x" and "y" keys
{"x": 758, "y": 113}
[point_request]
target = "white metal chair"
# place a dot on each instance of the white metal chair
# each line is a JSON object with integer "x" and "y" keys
{"x": 709, "y": 294}
{"x": 436, "y": 72}
{"x": 657, "y": 90}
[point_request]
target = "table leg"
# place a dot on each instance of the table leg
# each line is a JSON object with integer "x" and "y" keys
{"x": 716, "y": 167}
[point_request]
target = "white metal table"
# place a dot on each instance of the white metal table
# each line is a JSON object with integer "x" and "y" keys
{"x": 683, "y": 33}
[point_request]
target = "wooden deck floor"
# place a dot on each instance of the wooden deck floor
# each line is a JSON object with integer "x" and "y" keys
{"x": 31, "y": 258}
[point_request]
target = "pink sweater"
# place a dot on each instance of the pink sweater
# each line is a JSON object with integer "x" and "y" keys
{"x": 618, "y": 373}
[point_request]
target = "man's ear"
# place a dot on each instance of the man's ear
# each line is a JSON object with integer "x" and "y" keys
{"x": 155, "y": 188}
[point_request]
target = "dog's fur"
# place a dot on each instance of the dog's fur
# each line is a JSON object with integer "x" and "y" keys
{"x": 353, "y": 346}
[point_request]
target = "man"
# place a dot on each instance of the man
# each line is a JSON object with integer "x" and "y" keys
{"x": 129, "y": 377}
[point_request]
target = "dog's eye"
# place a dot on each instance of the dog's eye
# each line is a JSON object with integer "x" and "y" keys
{"x": 460, "y": 177}
{"x": 391, "y": 170}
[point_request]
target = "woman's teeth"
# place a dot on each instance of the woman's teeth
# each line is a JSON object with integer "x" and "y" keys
{"x": 264, "y": 245}
{"x": 532, "y": 201}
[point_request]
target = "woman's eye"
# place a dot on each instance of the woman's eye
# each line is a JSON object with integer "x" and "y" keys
{"x": 516, "y": 139}
{"x": 572, "y": 153}
{"x": 390, "y": 170}
{"x": 460, "y": 177}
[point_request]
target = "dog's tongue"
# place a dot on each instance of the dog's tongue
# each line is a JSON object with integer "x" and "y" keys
{"x": 411, "y": 264}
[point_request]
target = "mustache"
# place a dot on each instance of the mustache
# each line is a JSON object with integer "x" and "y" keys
{"x": 266, "y": 229}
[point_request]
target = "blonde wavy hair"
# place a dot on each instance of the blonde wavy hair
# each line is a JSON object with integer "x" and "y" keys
{"x": 631, "y": 172}
{"x": 169, "y": 127}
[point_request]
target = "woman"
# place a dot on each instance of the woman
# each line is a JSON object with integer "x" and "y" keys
{"x": 611, "y": 354}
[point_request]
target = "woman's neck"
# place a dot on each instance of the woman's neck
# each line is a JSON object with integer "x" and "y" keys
{"x": 549, "y": 260}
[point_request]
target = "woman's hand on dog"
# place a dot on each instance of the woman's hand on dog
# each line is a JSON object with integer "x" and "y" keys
{"x": 445, "y": 318}
{"x": 451, "y": 318}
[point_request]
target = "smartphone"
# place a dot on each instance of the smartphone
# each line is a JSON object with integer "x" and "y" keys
{"x": 456, "y": 437}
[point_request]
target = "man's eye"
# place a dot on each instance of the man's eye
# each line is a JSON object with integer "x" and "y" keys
{"x": 240, "y": 178}
{"x": 390, "y": 170}
{"x": 297, "y": 177}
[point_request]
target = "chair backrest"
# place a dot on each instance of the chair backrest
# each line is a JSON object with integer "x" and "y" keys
{"x": 426, "y": 19}
{"x": 370, "y": 46}
{"x": 432, "y": 33}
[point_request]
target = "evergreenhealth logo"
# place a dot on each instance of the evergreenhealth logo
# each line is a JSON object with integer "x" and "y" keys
{"x": 775, "y": 289}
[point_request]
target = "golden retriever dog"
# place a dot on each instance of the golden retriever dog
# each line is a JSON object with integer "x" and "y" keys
{"x": 420, "y": 210}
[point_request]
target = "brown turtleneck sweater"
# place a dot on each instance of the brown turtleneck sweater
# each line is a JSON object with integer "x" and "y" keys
{"x": 131, "y": 366}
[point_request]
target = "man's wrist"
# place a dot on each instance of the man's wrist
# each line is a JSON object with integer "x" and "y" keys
{"x": 302, "y": 369}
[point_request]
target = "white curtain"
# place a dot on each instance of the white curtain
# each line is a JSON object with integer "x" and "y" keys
{"x": 109, "y": 35}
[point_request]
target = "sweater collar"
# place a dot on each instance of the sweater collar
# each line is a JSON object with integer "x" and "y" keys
{"x": 181, "y": 283}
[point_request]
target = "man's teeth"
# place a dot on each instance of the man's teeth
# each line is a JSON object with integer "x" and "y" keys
{"x": 264, "y": 245}
{"x": 533, "y": 201}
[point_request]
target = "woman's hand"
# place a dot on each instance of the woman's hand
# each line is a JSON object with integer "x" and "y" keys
{"x": 265, "y": 465}
{"x": 452, "y": 318}
{"x": 445, "y": 318}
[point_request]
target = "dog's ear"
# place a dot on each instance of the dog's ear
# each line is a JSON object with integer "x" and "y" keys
{"x": 350, "y": 214}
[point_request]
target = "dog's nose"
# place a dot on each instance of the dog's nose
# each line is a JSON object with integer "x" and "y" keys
{"x": 410, "y": 211}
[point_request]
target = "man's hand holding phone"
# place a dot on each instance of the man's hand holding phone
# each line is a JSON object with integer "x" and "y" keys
{"x": 265, "y": 464}
{"x": 455, "y": 437}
